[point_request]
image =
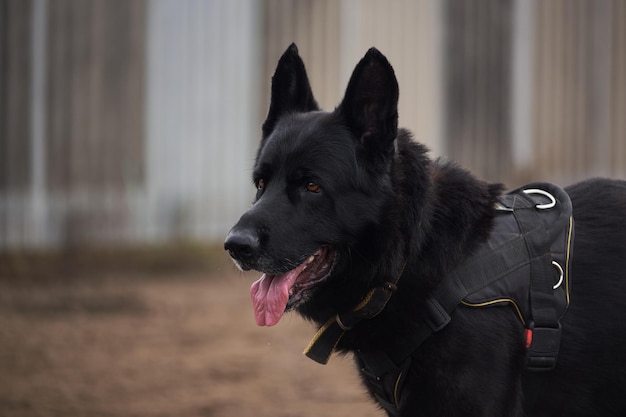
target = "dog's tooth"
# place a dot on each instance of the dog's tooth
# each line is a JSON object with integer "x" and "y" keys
{"x": 311, "y": 258}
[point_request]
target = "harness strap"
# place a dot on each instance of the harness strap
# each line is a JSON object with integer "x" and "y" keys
{"x": 325, "y": 340}
{"x": 385, "y": 378}
{"x": 513, "y": 250}
{"x": 461, "y": 282}
{"x": 545, "y": 327}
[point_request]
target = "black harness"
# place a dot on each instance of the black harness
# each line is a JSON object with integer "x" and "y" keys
{"x": 524, "y": 264}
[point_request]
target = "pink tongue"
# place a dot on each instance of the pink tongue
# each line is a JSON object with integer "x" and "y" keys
{"x": 270, "y": 295}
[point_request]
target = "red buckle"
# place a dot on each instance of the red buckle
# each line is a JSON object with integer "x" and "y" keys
{"x": 528, "y": 334}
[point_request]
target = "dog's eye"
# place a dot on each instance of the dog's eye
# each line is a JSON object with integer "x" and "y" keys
{"x": 260, "y": 184}
{"x": 313, "y": 187}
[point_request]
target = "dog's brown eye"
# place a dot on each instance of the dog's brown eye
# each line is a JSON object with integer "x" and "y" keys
{"x": 260, "y": 184}
{"x": 313, "y": 187}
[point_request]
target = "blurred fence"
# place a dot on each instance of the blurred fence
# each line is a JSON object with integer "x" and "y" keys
{"x": 72, "y": 141}
{"x": 536, "y": 89}
{"x": 136, "y": 121}
{"x": 579, "y": 89}
{"x": 125, "y": 121}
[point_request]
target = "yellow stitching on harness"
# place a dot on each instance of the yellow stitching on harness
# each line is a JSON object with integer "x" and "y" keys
{"x": 395, "y": 391}
{"x": 569, "y": 243}
{"x": 319, "y": 334}
{"x": 498, "y": 301}
{"x": 370, "y": 294}
{"x": 366, "y": 300}
{"x": 511, "y": 301}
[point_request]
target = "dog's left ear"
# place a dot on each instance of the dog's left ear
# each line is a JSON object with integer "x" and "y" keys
{"x": 291, "y": 90}
{"x": 370, "y": 105}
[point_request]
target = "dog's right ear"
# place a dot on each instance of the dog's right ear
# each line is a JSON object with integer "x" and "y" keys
{"x": 291, "y": 91}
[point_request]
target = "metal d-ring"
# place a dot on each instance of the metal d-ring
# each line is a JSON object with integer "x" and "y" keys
{"x": 546, "y": 194}
{"x": 558, "y": 267}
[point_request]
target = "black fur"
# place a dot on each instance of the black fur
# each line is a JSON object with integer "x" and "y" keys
{"x": 352, "y": 181}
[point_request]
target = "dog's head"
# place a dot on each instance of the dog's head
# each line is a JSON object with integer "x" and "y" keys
{"x": 323, "y": 183}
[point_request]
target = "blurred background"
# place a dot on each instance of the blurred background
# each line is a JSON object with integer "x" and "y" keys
{"x": 136, "y": 121}
{"x": 127, "y": 134}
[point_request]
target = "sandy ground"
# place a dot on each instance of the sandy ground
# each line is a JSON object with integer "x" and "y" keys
{"x": 178, "y": 344}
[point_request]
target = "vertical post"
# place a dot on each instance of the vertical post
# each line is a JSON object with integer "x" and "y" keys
{"x": 38, "y": 197}
{"x": 522, "y": 83}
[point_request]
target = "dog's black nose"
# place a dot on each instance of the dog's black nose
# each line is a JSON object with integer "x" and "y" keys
{"x": 242, "y": 245}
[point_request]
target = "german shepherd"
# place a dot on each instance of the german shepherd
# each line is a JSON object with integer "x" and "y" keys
{"x": 347, "y": 202}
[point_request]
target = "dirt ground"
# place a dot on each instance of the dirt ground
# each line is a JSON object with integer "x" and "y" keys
{"x": 177, "y": 344}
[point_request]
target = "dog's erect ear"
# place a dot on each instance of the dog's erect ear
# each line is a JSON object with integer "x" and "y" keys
{"x": 291, "y": 91}
{"x": 370, "y": 105}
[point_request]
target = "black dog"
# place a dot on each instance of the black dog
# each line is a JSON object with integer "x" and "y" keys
{"x": 356, "y": 229}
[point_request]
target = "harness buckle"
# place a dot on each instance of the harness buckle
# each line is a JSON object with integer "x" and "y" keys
{"x": 543, "y": 348}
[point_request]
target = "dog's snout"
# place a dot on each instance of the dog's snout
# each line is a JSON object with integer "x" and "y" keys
{"x": 242, "y": 245}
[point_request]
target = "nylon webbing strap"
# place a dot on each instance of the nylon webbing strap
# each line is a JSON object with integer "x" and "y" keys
{"x": 473, "y": 275}
{"x": 546, "y": 329}
{"x": 385, "y": 378}
{"x": 464, "y": 280}
{"x": 541, "y": 292}
{"x": 325, "y": 340}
